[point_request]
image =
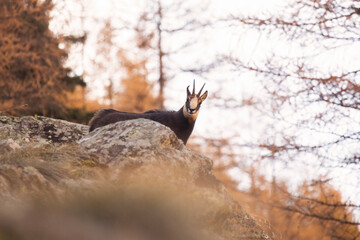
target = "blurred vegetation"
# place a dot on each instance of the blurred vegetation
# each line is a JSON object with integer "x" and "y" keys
{"x": 315, "y": 210}
{"x": 136, "y": 95}
{"x": 312, "y": 210}
{"x": 33, "y": 79}
{"x": 65, "y": 193}
{"x": 121, "y": 214}
{"x": 136, "y": 92}
{"x": 310, "y": 96}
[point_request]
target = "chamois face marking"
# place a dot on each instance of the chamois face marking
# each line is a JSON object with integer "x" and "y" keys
{"x": 193, "y": 103}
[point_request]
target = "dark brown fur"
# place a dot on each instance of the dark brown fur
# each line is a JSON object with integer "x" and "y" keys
{"x": 176, "y": 121}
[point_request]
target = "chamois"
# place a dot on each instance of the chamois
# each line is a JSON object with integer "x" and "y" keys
{"x": 181, "y": 122}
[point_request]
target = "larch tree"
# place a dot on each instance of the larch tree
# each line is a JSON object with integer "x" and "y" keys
{"x": 107, "y": 63}
{"x": 125, "y": 78}
{"x": 313, "y": 211}
{"x": 156, "y": 32}
{"x": 311, "y": 86}
{"x": 33, "y": 79}
{"x": 159, "y": 23}
{"x": 137, "y": 92}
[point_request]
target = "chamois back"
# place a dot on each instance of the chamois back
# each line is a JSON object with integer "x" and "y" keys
{"x": 106, "y": 116}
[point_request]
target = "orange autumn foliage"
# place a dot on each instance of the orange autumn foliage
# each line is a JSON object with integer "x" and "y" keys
{"x": 33, "y": 79}
{"x": 137, "y": 93}
{"x": 314, "y": 212}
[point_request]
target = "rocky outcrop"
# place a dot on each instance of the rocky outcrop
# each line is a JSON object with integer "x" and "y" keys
{"x": 43, "y": 155}
{"x": 143, "y": 144}
{"x": 38, "y": 130}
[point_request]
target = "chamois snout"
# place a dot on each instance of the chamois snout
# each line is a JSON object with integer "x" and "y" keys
{"x": 192, "y": 105}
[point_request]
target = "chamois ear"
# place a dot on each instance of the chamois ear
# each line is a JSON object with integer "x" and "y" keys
{"x": 203, "y": 97}
{"x": 187, "y": 90}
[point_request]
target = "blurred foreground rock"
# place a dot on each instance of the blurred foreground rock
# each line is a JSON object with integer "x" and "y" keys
{"x": 128, "y": 180}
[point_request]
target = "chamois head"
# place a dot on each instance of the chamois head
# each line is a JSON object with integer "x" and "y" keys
{"x": 193, "y": 103}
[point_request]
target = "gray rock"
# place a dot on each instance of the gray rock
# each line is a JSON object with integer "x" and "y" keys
{"x": 136, "y": 143}
{"x": 40, "y": 130}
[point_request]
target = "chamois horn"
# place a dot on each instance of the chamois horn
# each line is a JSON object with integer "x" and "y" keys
{"x": 188, "y": 91}
{"x": 201, "y": 90}
{"x": 193, "y": 88}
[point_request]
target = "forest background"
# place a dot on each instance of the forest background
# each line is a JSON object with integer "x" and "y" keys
{"x": 282, "y": 122}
